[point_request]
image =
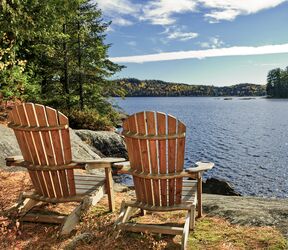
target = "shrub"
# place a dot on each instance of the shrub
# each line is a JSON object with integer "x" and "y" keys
{"x": 90, "y": 119}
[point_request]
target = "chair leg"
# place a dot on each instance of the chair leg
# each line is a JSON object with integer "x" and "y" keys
{"x": 72, "y": 220}
{"x": 142, "y": 212}
{"x": 192, "y": 218}
{"x": 186, "y": 231}
{"x": 26, "y": 206}
{"x": 110, "y": 189}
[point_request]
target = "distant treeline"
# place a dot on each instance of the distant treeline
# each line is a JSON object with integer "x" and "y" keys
{"x": 277, "y": 83}
{"x": 135, "y": 87}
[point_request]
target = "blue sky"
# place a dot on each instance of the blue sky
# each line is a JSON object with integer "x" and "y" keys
{"x": 219, "y": 42}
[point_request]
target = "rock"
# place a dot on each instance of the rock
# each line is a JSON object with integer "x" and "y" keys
{"x": 109, "y": 143}
{"x": 80, "y": 150}
{"x": 9, "y": 146}
{"x": 217, "y": 186}
{"x": 84, "y": 237}
{"x": 250, "y": 211}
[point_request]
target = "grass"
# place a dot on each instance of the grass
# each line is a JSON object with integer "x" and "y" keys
{"x": 96, "y": 230}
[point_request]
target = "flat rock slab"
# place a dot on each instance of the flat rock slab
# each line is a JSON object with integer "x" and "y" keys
{"x": 250, "y": 211}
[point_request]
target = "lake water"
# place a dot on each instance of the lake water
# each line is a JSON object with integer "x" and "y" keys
{"x": 246, "y": 139}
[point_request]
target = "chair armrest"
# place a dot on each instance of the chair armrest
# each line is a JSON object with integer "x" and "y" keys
{"x": 14, "y": 160}
{"x": 200, "y": 167}
{"x": 122, "y": 167}
{"x": 99, "y": 163}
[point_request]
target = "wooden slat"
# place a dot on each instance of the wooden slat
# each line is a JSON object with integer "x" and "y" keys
{"x": 130, "y": 151}
{"x": 88, "y": 178}
{"x": 31, "y": 116}
{"x": 66, "y": 145}
{"x": 133, "y": 227}
{"x": 171, "y": 157}
{"x": 52, "y": 119}
{"x": 57, "y": 219}
{"x": 151, "y": 129}
{"x": 30, "y": 147}
{"x": 161, "y": 128}
{"x": 21, "y": 139}
{"x": 20, "y": 136}
{"x": 144, "y": 156}
{"x": 28, "y": 134}
{"x": 46, "y": 136}
{"x": 180, "y": 159}
{"x": 136, "y": 163}
{"x": 49, "y": 154}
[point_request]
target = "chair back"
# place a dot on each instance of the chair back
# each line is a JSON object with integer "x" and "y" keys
{"x": 156, "y": 144}
{"x": 43, "y": 137}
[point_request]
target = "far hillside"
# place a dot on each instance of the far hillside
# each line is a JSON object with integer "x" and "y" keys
{"x": 135, "y": 87}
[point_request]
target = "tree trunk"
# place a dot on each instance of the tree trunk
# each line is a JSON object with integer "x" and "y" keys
{"x": 66, "y": 76}
{"x": 80, "y": 70}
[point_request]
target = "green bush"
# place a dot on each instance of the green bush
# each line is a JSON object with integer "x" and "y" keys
{"x": 90, "y": 119}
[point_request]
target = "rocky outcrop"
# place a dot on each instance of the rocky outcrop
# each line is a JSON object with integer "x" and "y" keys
{"x": 80, "y": 150}
{"x": 9, "y": 146}
{"x": 110, "y": 144}
{"x": 250, "y": 211}
{"x": 218, "y": 186}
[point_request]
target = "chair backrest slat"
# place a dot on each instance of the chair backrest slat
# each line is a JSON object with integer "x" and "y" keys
{"x": 161, "y": 128}
{"x": 180, "y": 160}
{"x": 66, "y": 146}
{"x": 156, "y": 147}
{"x": 151, "y": 129}
{"x": 141, "y": 129}
{"x": 172, "y": 151}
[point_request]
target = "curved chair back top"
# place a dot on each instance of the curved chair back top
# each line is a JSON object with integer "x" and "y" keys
{"x": 156, "y": 145}
{"x": 43, "y": 137}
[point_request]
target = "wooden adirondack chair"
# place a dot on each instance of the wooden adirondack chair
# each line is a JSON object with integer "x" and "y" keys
{"x": 156, "y": 144}
{"x": 43, "y": 137}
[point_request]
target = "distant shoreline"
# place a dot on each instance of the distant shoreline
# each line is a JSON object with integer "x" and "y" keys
{"x": 132, "y": 87}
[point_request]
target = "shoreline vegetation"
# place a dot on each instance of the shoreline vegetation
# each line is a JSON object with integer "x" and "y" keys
{"x": 141, "y": 88}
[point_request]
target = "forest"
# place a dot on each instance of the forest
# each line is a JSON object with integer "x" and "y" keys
{"x": 277, "y": 83}
{"x": 135, "y": 87}
{"x": 54, "y": 53}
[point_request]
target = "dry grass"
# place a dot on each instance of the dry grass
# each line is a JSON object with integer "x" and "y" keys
{"x": 96, "y": 230}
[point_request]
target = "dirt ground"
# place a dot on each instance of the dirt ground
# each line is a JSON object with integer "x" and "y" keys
{"x": 96, "y": 229}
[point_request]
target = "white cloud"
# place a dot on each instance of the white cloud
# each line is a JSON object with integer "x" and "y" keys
{"x": 214, "y": 42}
{"x": 160, "y": 11}
{"x": 116, "y": 9}
{"x": 182, "y": 36}
{"x": 230, "y": 9}
{"x": 132, "y": 43}
{"x": 200, "y": 54}
{"x": 110, "y": 7}
{"x": 179, "y": 33}
{"x": 121, "y": 21}
{"x": 163, "y": 12}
